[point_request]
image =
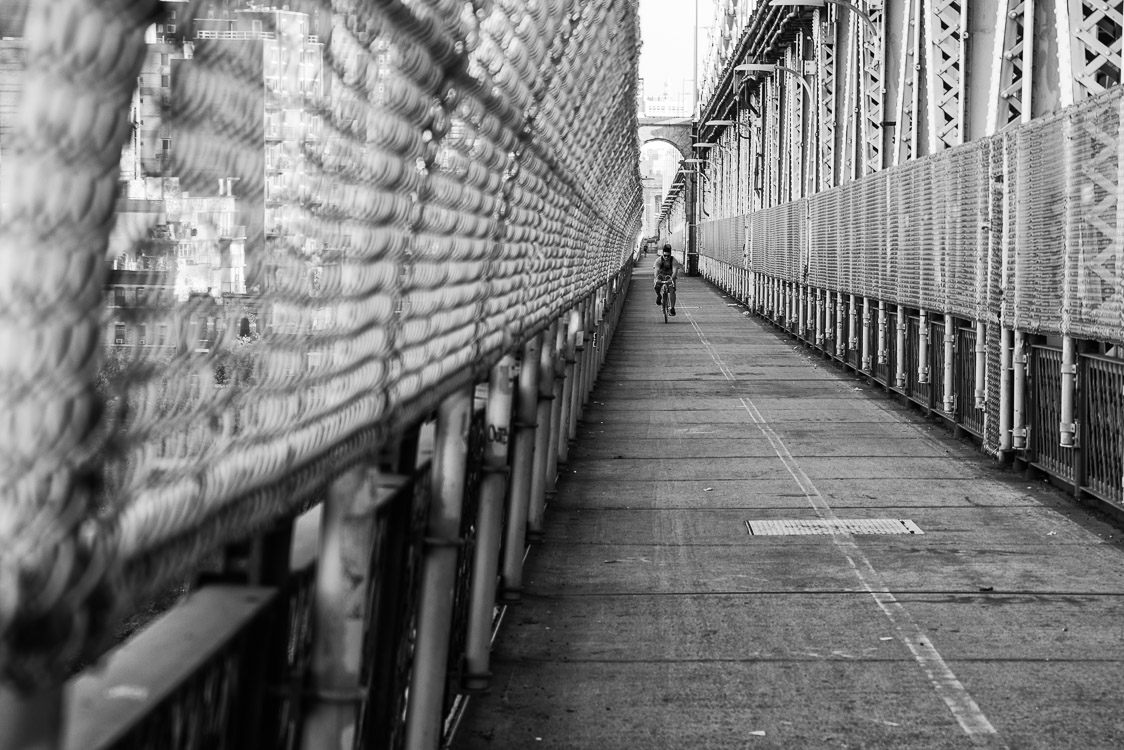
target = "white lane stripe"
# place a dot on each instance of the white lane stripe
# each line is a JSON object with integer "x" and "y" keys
{"x": 959, "y": 701}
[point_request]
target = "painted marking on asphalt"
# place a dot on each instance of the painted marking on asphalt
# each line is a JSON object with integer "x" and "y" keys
{"x": 959, "y": 701}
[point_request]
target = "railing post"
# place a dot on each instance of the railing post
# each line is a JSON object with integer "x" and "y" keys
{"x": 852, "y": 324}
{"x": 903, "y": 326}
{"x": 339, "y": 610}
{"x": 1069, "y": 382}
{"x": 922, "y": 348}
{"x": 31, "y": 722}
{"x": 883, "y": 354}
{"x": 519, "y": 491}
{"x": 577, "y": 396}
{"x": 981, "y": 365}
{"x": 1018, "y": 392}
{"x": 556, "y": 405}
{"x": 1005, "y": 405}
{"x": 489, "y": 526}
{"x": 537, "y": 505}
{"x": 573, "y": 329}
{"x": 801, "y": 319}
{"x": 867, "y": 360}
{"x": 949, "y": 401}
{"x": 840, "y": 342}
{"x": 819, "y": 317}
{"x": 424, "y": 726}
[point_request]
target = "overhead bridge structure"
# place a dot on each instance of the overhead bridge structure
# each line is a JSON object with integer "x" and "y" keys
{"x": 302, "y": 309}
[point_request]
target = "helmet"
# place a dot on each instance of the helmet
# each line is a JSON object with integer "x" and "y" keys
{"x": 667, "y": 248}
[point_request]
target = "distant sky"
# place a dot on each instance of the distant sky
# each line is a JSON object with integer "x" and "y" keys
{"x": 666, "y": 28}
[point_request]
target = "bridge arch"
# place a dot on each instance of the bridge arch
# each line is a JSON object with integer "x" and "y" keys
{"x": 674, "y": 131}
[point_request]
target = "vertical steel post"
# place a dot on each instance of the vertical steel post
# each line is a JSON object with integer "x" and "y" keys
{"x": 31, "y": 722}
{"x": 519, "y": 492}
{"x": 949, "y": 400}
{"x": 1018, "y": 392}
{"x": 572, "y": 331}
{"x": 578, "y": 394}
{"x": 559, "y": 381}
{"x": 438, "y": 575}
{"x": 537, "y": 505}
{"x": 1005, "y": 378}
{"x": 489, "y": 526}
{"x": 819, "y": 317}
{"x": 840, "y": 342}
{"x": 923, "y": 348}
{"x": 852, "y": 337}
{"x": 800, "y": 322}
{"x": 1069, "y": 383}
{"x": 883, "y": 355}
{"x": 900, "y": 378}
{"x": 981, "y": 365}
{"x": 339, "y": 611}
{"x": 867, "y": 360}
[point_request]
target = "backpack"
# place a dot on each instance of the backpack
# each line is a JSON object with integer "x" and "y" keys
{"x": 667, "y": 265}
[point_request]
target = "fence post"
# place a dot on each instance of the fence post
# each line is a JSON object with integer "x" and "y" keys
{"x": 1005, "y": 405}
{"x": 1069, "y": 377}
{"x": 1018, "y": 394}
{"x": 883, "y": 354}
{"x": 339, "y": 611}
{"x": 540, "y": 466}
{"x": 439, "y": 572}
{"x": 903, "y": 326}
{"x": 519, "y": 491}
{"x": 840, "y": 342}
{"x": 556, "y": 404}
{"x": 576, "y": 396}
{"x": 981, "y": 365}
{"x": 852, "y": 324}
{"x": 923, "y": 348}
{"x": 867, "y": 360}
{"x": 949, "y": 397}
{"x": 489, "y": 527}
{"x": 572, "y": 328}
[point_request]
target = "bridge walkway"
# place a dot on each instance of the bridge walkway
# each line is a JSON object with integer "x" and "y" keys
{"x": 653, "y": 618}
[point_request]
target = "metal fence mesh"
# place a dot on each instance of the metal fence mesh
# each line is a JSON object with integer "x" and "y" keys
{"x": 327, "y": 217}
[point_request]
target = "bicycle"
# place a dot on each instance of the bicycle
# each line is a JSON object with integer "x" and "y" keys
{"x": 664, "y": 288}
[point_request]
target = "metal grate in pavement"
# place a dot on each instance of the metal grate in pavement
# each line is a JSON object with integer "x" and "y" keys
{"x": 833, "y": 526}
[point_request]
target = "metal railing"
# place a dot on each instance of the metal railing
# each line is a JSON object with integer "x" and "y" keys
{"x": 262, "y": 664}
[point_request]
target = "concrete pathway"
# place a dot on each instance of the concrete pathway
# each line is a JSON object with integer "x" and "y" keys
{"x": 653, "y": 618}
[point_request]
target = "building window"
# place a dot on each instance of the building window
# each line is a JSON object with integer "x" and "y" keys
{"x": 118, "y": 333}
{"x": 142, "y": 335}
{"x": 165, "y": 144}
{"x": 244, "y": 328}
{"x": 171, "y": 28}
{"x": 162, "y": 334}
{"x": 165, "y": 81}
{"x": 142, "y": 296}
{"x": 118, "y": 296}
{"x": 171, "y": 15}
{"x": 164, "y": 57}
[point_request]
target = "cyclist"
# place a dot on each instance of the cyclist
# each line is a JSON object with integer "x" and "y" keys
{"x": 666, "y": 266}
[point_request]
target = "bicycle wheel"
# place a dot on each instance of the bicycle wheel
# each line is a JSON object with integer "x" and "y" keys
{"x": 666, "y": 289}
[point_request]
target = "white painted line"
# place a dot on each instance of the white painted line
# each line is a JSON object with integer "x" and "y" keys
{"x": 959, "y": 701}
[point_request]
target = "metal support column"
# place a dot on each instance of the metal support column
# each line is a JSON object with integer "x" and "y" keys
{"x": 1005, "y": 387}
{"x": 883, "y": 354}
{"x": 867, "y": 359}
{"x": 339, "y": 611}
{"x": 840, "y": 342}
{"x": 949, "y": 395}
{"x": 539, "y": 469}
{"x": 519, "y": 491}
{"x": 573, "y": 329}
{"x": 852, "y": 332}
{"x": 1069, "y": 387}
{"x": 923, "y": 348}
{"x": 438, "y": 575}
{"x": 489, "y": 527}
{"x": 559, "y": 382}
{"x": 1018, "y": 392}
{"x": 900, "y": 376}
